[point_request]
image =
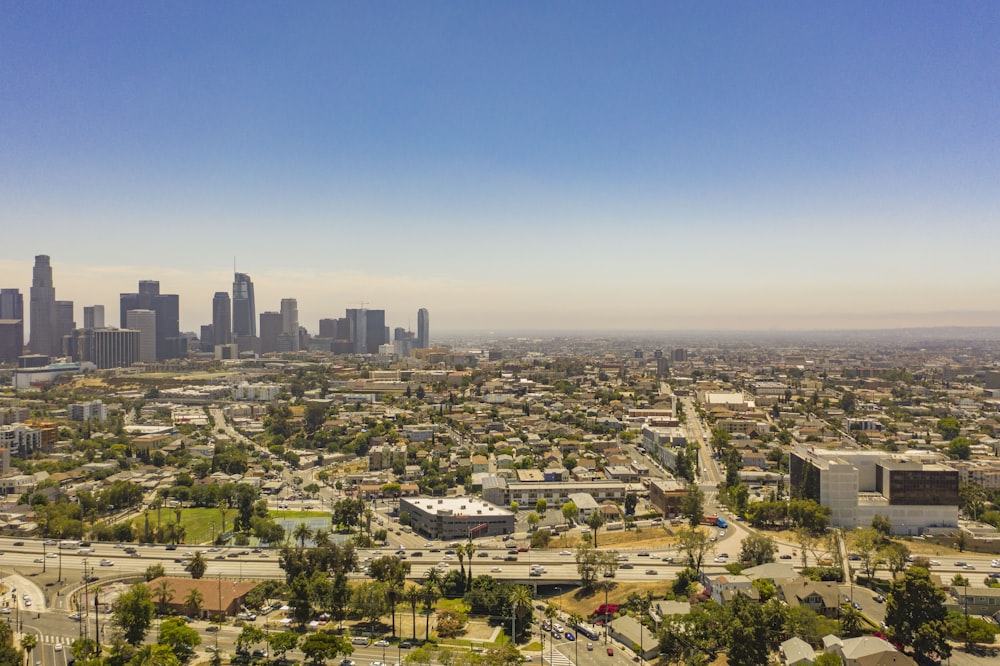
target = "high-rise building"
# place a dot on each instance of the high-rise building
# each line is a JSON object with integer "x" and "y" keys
{"x": 11, "y": 325}
{"x": 11, "y": 304}
{"x": 359, "y": 329}
{"x": 423, "y": 328}
{"x": 221, "y": 316}
{"x": 65, "y": 324}
{"x": 328, "y": 328}
{"x": 43, "y": 309}
{"x": 289, "y": 338}
{"x": 169, "y": 342}
{"x": 376, "y": 331}
{"x": 113, "y": 347}
{"x": 244, "y": 311}
{"x": 270, "y": 330}
{"x": 144, "y": 321}
{"x": 206, "y": 341}
{"x": 93, "y": 316}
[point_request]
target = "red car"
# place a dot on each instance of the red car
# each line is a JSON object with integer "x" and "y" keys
{"x": 611, "y": 652}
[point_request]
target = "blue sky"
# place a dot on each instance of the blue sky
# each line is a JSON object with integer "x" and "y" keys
{"x": 628, "y": 166}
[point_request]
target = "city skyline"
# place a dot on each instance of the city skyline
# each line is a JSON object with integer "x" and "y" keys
{"x": 513, "y": 167}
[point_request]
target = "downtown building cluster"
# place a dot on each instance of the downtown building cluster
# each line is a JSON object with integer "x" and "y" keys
{"x": 149, "y": 328}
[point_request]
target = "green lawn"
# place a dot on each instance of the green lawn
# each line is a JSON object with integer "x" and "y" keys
{"x": 197, "y": 522}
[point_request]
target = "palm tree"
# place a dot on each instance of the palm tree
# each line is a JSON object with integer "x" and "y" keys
{"x": 412, "y": 595}
{"x": 197, "y": 566}
{"x": 223, "y": 510}
{"x": 193, "y": 601}
{"x": 369, "y": 514}
{"x": 470, "y": 550}
{"x": 520, "y": 601}
{"x": 594, "y": 522}
{"x": 164, "y": 593}
{"x": 575, "y": 621}
{"x": 302, "y": 532}
{"x": 430, "y": 595}
{"x": 28, "y": 642}
{"x": 460, "y": 553}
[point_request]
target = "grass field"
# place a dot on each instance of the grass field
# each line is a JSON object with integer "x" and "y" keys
{"x": 198, "y": 523}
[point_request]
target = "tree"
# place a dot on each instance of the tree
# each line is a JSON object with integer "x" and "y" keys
{"x": 960, "y": 448}
{"x": 570, "y": 512}
{"x": 181, "y": 638}
{"x": 972, "y": 499}
{"x": 587, "y": 563}
{"x": 155, "y": 655}
{"x": 915, "y": 614}
{"x": 281, "y": 642}
{"x": 896, "y": 556}
{"x": 851, "y": 621}
{"x": 28, "y": 642}
{"x": 757, "y": 549}
{"x": 520, "y": 601}
{"x": 695, "y": 544}
{"x": 866, "y": 544}
{"x": 133, "y": 613}
{"x": 594, "y": 521}
{"x": 631, "y": 501}
{"x": 828, "y": 659}
{"x": 321, "y": 646}
{"x": 301, "y": 533}
{"x": 193, "y": 602}
{"x": 163, "y": 593}
{"x": 197, "y": 566}
{"x": 412, "y": 597}
{"x": 949, "y": 427}
{"x": 541, "y": 506}
{"x": 249, "y": 635}
{"x": 693, "y": 505}
{"x": 882, "y": 526}
{"x": 533, "y": 520}
{"x": 430, "y": 594}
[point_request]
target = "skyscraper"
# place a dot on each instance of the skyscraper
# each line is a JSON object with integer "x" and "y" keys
{"x": 93, "y": 316}
{"x": 423, "y": 328}
{"x": 375, "y": 329}
{"x": 144, "y": 321}
{"x": 289, "y": 338}
{"x": 244, "y": 311}
{"x": 65, "y": 324}
{"x": 169, "y": 343}
{"x": 221, "y": 316}
{"x": 359, "y": 329}
{"x": 270, "y": 330}
{"x": 11, "y": 325}
{"x": 43, "y": 309}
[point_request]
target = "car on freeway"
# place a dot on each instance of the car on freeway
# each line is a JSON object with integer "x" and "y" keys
{"x": 481, "y": 553}
{"x": 52, "y": 556}
{"x": 496, "y": 570}
{"x": 107, "y": 563}
{"x": 18, "y": 543}
{"x": 406, "y": 645}
{"x": 74, "y": 616}
{"x": 38, "y": 560}
{"x": 650, "y": 572}
{"x": 626, "y": 565}
{"x": 565, "y": 552}
{"x": 785, "y": 556}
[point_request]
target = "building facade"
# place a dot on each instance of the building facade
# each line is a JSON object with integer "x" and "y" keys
{"x": 456, "y": 517}
{"x": 221, "y": 316}
{"x": 42, "y": 339}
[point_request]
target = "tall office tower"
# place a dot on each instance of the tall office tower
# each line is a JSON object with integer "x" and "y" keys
{"x": 11, "y": 304}
{"x": 169, "y": 343}
{"x": 93, "y": 316}
{"x": 65, "y": 324}
{"x": 43, "y": 309}
{"x": 288, "y": 340}
{"x": 221, "y": 316}
{"x": 244, "y": 311}
{"x": 270, "y": 329}
{"x": 144, "y": 321}
{"x": 11, "y": 325}
{"x": 206, "y": 341}
{"x": 328, "y": 328}
{"x": 113, "y": 347}
{"x": 400, "y": 333}
{"x": 359, "y": 329}
{"x": 375, "y": 327}
{"x": 423, "y": 328}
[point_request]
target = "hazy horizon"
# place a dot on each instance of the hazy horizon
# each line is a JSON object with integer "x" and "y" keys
{"x": 515, "y": 166}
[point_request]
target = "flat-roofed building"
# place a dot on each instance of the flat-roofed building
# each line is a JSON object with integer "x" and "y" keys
{"x": 501, "y": 492}
{"x": 456, "y": 517}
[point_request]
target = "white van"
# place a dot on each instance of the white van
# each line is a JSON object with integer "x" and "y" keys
{"x": 359, "y": 640}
